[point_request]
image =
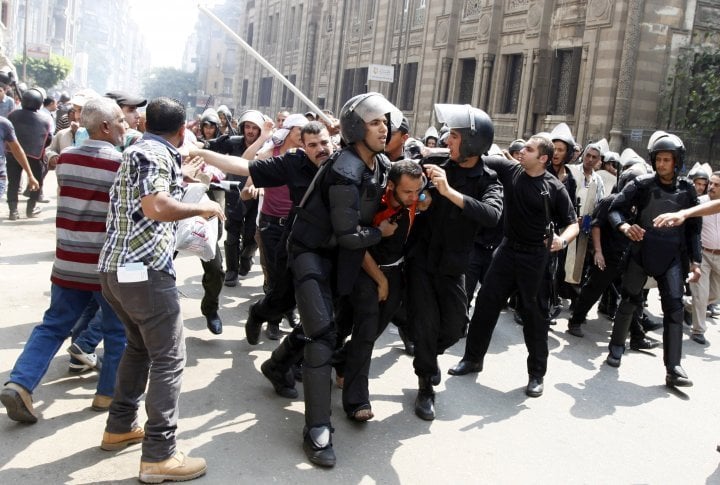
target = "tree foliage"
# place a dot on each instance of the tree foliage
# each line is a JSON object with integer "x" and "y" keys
{"x": 702, "y": 115}
{"x": 45, "y": 73}
{"x": 169, "y": 82}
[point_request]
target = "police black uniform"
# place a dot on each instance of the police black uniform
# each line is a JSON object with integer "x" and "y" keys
{"x": 519, "y": 264}
{"x": 658, "y": 255}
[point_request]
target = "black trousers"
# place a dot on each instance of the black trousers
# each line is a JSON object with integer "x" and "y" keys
{"x": 312, "y": 279}
{"x": 279, "y": 295}
{"x": 369, "y": 320}
{"x": 437, "y": 306}
{"x": 511, "y": 270}
{"x": 479, "y": 263}
{"x": 14, "y": 174}
{"x": 212, "y": 282}
{"x": 670, "y": 286}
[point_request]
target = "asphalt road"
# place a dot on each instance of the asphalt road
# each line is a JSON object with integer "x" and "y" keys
{"x": 595, "y": 424}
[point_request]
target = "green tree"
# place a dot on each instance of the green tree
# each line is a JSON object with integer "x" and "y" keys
{"x": 698, "y": 77}
{"x": 170, "y": 82}
{"x": 45, "y": 72}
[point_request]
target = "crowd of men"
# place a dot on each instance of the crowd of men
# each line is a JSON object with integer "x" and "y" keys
{"x": 358, "y": 225}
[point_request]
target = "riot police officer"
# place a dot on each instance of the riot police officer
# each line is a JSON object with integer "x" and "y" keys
{"x": 466, "y": 197}
{"x": 657, "y": 252}
{"x": 326, "y": 246}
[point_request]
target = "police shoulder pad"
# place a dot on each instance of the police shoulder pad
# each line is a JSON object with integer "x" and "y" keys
{"x": 349, "y": 166}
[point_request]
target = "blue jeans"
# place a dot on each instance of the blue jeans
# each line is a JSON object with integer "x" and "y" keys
{"x": 66, "y": 306}
{"x": 88, "y": 333}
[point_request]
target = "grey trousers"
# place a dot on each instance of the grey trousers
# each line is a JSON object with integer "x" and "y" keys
{"x": 154, "y": 358}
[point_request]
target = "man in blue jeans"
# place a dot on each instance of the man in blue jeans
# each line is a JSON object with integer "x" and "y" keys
{"x": 84, "y": 176}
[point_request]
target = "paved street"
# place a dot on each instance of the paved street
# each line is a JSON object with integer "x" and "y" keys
{"x": 595, "y": 424}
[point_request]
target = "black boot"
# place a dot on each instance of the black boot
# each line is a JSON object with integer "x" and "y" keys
{"x": 279, "y": 368}
{"x": 317, "y": 444}
{"x": 425, "y": 400}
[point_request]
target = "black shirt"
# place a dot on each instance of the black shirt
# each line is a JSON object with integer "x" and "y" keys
{"x": 613, "y": 242}
{"x": 525, "y": 214}
{"x": 293, "y": 169}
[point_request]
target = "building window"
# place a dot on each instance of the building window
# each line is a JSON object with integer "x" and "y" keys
{"x": 467, "y": 80}
{"x": 354, "y": 82}
{"x": 227, "y": 86}
{"x": 288, "y": 97}
{"x": 407, "y": 98}
{"x": 265, "y": 94}
{"x": 564, "y": 81}
{"x": 513, "y": 75}
{"x": 244, "y": 92}
{"x": 4, "y": 13}
{"x": 250, "y": 32}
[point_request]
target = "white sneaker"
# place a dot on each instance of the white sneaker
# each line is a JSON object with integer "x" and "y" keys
{"x": 87, "y": 359}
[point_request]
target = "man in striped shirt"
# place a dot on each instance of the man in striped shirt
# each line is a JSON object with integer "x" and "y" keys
{"x": 85, "y": 175}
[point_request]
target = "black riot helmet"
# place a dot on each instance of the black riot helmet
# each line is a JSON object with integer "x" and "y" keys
{"x": 516, "y": 146}
{"x": 473, "y": 124}
{"x": 667, "y": 142}
{"x": 363, "y": 108}
{"x": 32, "y": 99}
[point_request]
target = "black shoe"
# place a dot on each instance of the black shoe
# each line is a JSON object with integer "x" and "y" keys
{"x": 699, "y": 338}
{"x": 231, "y": 278}
{"x": 644, "y": 343}
{"x": 14, "y": 215}
{"x": 676, "y": 377}
{"x": 649, "y": 325}
{"x": 465, "y": 367}
{"x": 615, "y": 355}
{"x": 252, "y": 327}
{"x": 283, "y": 383}
{"x": 535, "y": 387}
{"x": 272, "y": 331}
{"x": 425, "y": 404}
{"x": 245, "y": 266}
{"x": 214, "y": 324}
{"x": 575, "y": 329}
{"x": 317, "y": 444}
{"x": 409, "y": 344}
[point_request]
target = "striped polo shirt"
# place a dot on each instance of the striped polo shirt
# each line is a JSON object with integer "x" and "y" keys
{"x": 85, "y": 175}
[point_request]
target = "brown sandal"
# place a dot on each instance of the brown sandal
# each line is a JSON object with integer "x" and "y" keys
{"x": 362, "y": 415}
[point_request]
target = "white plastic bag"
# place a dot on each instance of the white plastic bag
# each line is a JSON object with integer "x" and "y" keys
{"x": 196, "y": 235}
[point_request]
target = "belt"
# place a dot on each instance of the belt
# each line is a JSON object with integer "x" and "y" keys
{"x": 280, "y": 221}
{"x": 712, "y": 251}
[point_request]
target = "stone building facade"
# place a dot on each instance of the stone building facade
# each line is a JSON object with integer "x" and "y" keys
{"x": 602, "y": 66}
